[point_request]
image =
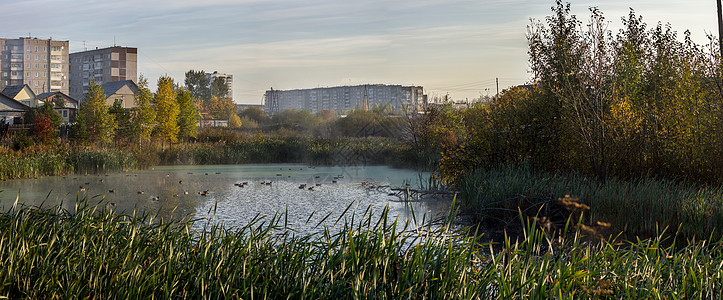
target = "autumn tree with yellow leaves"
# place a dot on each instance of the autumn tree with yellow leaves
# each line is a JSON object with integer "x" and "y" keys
{"x": 166, "y": 110}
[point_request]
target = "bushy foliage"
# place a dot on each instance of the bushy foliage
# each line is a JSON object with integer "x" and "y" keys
{"x": 166, "y": 110}
{"x": 638, "y": 103}
{"x": 145, "y": 114}
{"x": 256, "y": 114}
{"x": 187, "y": 116}
{"x": 94, "y": 122}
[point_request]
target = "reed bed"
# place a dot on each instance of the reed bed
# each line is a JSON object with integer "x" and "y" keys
{"x": 637, "y": 207}
{"x": 50, "y": 161}
{"x": 59, "y": 160}
{"x": 280, "y": 149}
{"x": 94, "y": 252}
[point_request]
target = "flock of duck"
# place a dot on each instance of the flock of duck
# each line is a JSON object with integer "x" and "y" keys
{"x": 205, "y": 193}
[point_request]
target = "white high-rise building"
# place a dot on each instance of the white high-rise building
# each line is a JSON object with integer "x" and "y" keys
{"x": 227, "y": 77}
{"x": 402, "y": 99}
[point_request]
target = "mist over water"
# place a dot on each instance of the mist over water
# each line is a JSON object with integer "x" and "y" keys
{"x": 216, "y": 193}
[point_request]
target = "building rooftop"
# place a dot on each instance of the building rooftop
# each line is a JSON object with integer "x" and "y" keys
{"x": 47, "y": 95}
{"x": 111, "y": 87}
{"x": 8, "y": 104}
{"x": 13, "y": 90}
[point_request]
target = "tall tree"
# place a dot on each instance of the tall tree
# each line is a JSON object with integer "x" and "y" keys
{"x": 220, "y": 108}
{"x": 198, "y": 84}
{"x": 145, "y": 119}
{"x": 187, "y": 116}
{"x": 96, "y": 123}
{"x": 166, "y": 110}
{"x": 219, "y": 89}
{"x": 255, "y": 113}
{"x": 124, "y": 127}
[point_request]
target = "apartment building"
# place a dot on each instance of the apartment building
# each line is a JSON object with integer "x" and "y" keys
{"x": 403, "y": 99}
{"x": 42, "y": 64}
{"x": 101, "y": 66}
{"x": 227, "y": 77}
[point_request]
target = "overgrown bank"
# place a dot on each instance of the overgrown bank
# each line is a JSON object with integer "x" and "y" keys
{"x": 636, "y": 207}
{"x": 62, "y": 159}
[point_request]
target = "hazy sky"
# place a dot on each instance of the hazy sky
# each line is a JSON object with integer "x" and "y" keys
{"x": 448, "y": 46}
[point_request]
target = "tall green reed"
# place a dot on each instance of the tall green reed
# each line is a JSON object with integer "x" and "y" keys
{"x": 95, "y": 252}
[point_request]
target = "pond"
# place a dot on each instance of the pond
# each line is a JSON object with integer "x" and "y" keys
{"x": 217, "y": 193}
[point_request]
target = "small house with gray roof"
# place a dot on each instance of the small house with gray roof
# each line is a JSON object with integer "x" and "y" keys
{"x": 122, "y": 91}
{"x": 11, "y": 110}
{"x": 22, "y": 93}
{"x": 67, "y": 110}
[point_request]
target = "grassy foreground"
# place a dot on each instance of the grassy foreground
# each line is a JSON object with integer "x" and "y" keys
{"x": 96, "y": 253}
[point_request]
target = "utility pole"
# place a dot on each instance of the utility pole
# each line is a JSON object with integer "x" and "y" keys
{"x": 720, "y": 28}
{"x": 497, "y": 81}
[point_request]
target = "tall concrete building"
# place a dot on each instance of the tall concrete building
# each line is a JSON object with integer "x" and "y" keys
{"x": 101, "y": 66}
{"x": 227, "y": 77}
{"x": 402, "y": 99}
{"x": 41, "y": 64}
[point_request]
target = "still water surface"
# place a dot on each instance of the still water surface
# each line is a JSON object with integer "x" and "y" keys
{"x": 177, "y": 190}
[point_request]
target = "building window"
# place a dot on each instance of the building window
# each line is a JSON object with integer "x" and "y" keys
{"x": 36, "y": 74}
{"x": 65, "y": 113}
{"x": 36, "y": 83}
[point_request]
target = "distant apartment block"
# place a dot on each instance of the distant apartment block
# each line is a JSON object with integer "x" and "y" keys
{"x": 228, "y": 78}
{"x": 101, "y": 66}
{"x": 41, "y": 64}
{"x": 344, "y": 98}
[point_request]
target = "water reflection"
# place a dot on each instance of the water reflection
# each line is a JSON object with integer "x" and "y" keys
{"x": 218, "y": 192}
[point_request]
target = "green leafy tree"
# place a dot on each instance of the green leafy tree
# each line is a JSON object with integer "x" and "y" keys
{"x": 220, "y": 108}
{"x": 219, "y": 89}
{"x": 124, "y": 126}
{"x": 300, "y": 120}
{"x": 198, "y": 84}
{"x": 58, "y": 101}
{"x": 144, "y": 121}
{"x": 187, "y": 116}
{"x": 96, "y": 123}
{"x": 47, "y": 110}
{"x": 248, "y": 123}
{"x": 166, "y": 110}
{"x": 255, "y": 113}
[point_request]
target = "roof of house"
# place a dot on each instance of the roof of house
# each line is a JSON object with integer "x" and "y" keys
{"x": 8, "y": 104}
{"x": 47, "y": 95}
{"x": 110, "y": 88}
{"x": 13, "y": 90}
